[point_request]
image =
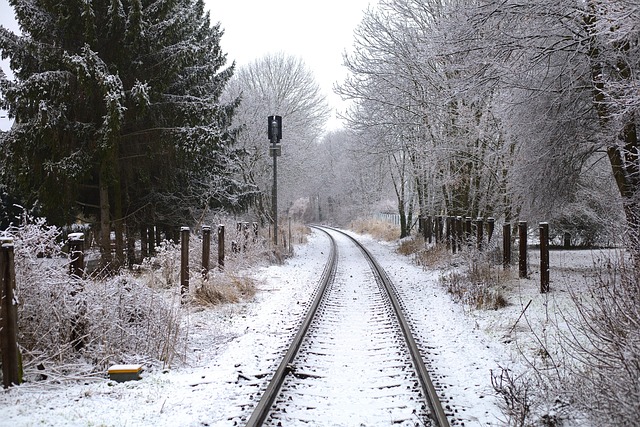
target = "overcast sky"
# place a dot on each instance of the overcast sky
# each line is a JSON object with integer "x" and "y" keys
{"x": 317, "y": 31}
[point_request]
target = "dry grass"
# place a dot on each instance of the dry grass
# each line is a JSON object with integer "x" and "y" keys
{"x": 435, "y": 256}
{"x": 223, "y": 288}
{"x": 299, "y": 233}
{"x": 479, "y": 295}
{"x": 411, "y": 246}
{"x": 380, "y": 230}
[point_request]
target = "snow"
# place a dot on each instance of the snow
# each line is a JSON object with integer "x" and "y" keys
{"x": 233, "y": 348}
{"x": 355, "y": 348}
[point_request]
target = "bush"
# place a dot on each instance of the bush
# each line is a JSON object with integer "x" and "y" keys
{"x": 411, "y": 245}
{"x": 478, "y": 284}
{"x": 604, "y": 346}
{"x": 90, "y": 323}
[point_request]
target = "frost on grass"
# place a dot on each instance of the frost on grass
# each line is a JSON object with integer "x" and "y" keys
{"x": 77, "y": 327}
{"x": 72, "y": 327}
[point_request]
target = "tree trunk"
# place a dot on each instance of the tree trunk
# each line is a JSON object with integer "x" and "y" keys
{"x": 105, "y": 219}
{"x": 131, "y": 244}
{"x": 625, "y": 165}
{"x": 118, "y": 222}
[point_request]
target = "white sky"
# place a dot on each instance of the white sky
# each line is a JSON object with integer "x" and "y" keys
{"x": 318, "y": 32}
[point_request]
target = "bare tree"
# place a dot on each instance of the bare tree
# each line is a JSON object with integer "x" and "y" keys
{"x": 346, "y": 182}
{"x": 562, "y": 73}
{"x": 282, "y": 85}
{"x": 405, "y": 85}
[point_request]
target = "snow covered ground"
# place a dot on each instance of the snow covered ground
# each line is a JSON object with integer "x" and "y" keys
{"x": 233, "y": 348}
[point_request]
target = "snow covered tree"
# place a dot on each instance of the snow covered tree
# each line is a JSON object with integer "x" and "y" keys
{"x": 346, "y": 181}
{"x": 403, "y": 84}
{"x": 285, "y": 86}
{"x": 117, "y": 113}
{"x": 562, "y": 74}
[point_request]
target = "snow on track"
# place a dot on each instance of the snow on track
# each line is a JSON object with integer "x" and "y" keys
{"x": 353, "y": 365}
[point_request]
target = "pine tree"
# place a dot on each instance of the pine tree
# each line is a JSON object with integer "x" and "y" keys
{"x": 117, "y": 112}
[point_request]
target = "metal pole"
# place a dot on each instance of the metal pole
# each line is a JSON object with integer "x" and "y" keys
{"x": 275, "y": 196}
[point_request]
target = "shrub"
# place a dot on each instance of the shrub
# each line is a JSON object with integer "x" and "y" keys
{"x": 433, "y": 256}
{"x": 63, "y": 320}
{"x": 604, "y": 346}
{"x": 478, "y": 284}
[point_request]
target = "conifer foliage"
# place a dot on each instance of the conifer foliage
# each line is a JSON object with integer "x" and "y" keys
{"x": 117, "y": 113}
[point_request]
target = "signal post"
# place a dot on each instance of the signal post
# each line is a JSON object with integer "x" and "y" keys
{"x": 274, "y": 131}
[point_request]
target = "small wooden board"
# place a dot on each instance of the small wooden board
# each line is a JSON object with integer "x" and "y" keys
{"x": 122, "y": 373}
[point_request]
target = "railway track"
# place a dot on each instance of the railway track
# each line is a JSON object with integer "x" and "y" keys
{"x": 353, "y": 360}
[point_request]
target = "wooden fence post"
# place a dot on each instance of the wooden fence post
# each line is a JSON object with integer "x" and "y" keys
{"x": 151, "y": 240}
{"x": 479, "y": 232}
{"x": 522, "y": 256}
{"x": 206, "y": 250}
{"x": 467, "y": 230}
{"x": 9, "y": 316}
{"x": 290, "y": 250}
{"x": 76, "y": 253}
{"x": 459, "y": 235}
{"x": 184, "y": 260}
{"x": 506, "y": 245}
{"x": 490, "y": 227}
{"x": 544, "y": 257}
{"x": 221, "y": 246}
{"x": 454, "y": 234}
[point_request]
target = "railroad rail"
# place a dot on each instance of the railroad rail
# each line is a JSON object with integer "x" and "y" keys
{"x": 287, "y": 366}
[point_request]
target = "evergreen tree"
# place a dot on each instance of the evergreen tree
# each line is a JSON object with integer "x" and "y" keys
{"x": 117, "y": 112}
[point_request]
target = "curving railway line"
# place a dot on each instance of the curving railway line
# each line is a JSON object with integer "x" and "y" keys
{"x": 353, "y": 360}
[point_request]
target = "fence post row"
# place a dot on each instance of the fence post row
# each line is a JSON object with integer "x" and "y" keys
{"x": 8, "y": 316}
